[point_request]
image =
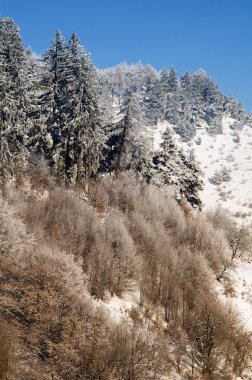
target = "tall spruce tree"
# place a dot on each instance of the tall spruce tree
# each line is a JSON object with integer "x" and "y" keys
{"x": 172, "y": 80}
{"x": 86, "y": 137}
{"x": 54, "y": 102}
{"x": 164, "y": 84}
{"x": 40, "y": 140}
{"x": 172, "y": 106}
{"x": 173, "y": 168}
{"x": 166, "y": 161}
{"x": 71, "y": 108}
{"x": 13, "y": 100}
{"x": 128, "y": 146}
{"x": 191, "y": 182}
{"x": 153, "y": 98}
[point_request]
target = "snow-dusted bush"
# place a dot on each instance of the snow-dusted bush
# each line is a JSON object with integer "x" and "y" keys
{"x": 236, "y": 137}
{"x": 198, "y": 141}
{"x": 220, "y": 176}
{"x": 13, "y": 234}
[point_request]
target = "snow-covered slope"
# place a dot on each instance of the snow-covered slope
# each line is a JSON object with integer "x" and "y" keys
{"x": 213, "y": 153}
{"x": 241, "y": 297}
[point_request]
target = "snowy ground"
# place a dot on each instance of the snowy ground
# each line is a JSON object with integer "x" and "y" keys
{"x": 213, "y": 154}
{"x": 241, "y": 296}
{"x": 119, "y": 308}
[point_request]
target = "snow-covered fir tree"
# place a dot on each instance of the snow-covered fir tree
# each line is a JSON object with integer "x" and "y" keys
{"x": 191, "y": 182}
{"x": 173, "y": 168}
{"x": 14, "y": 99}
{"x": 71, "y": 108}
{"x": 125, "y": 144}
{"x": 153, "y": 102}
{"x": 166, "y": 161}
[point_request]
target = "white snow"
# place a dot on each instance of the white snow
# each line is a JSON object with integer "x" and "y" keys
{"x": 241, "y": 277}
{"x": 118, "y": 308}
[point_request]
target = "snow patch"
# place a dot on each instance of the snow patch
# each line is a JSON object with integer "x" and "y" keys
{"x": 241, "y": 277}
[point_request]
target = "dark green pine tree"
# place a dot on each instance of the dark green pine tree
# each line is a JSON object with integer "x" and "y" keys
{"x": 164, "y": 84}
{"x": 172, "y": 106}
{"x": 173, "y": 168}
{"x": 166, "y": 161}
{"x": 14, "y": 101}
{"x": 172, "y": 80}
{"x": 185, "y": 95}
{"x": 71, "y": 107}
{"x": 185, "y": 82}
{"x": 40, "y": 140}
{"x": 164, "y": 79}
{"x": 185, "y": 125}
{"x": 125, "y": 147}
{"x": 53, "y": 103}
{"x": 84, "y": 150}
{"x": 191, "y": 182}
{"x": 153, "y": 100}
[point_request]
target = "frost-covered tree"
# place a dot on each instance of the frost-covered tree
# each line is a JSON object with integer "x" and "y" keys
{"x": 164, "y": 80}
{"x": 13, "y": 100}
{"x": 126, "y": 146}
{"x": 191, "y": 182}
{"x": 153, "y": 100}
{"x": 220, "y": 176}
{"x": 185, "y": 82}
{"x": 172, "y": 105}
{"x": 71, "y": 108}
{"x": 105, "y": 101}
{"x": 166, "y": 161}
{"x": 185, "y": 128}
{"x": 39, "y": 138}
{"x": 172, "y": 167}
{"x": 234, "y": 109}
{"x": 88, "y": 136}
{"x": 54, "y": 100}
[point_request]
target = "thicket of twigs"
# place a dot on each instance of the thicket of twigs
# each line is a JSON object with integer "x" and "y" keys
{"x": 61, "y": 250}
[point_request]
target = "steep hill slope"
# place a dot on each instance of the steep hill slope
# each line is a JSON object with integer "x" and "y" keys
{"x": 213, "y": 125}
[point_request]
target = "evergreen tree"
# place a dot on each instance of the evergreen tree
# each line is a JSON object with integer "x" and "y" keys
{"x": 173, "y": 168}
{"x": 172, "y": 80}
{"x": 166, "y": 161}
{"x": 40, "y": 140}
{"x": 153, "y": 100}
{"x": 185, "y": 82}
{"x": 124, "y": 146}
{"x": 71, "y": 108}
{"x": 54, "y": 102}
{"x": 105, "y": 101}
{"x": 191, "y": 179}
{"x": 13, "y": 100}
{"x": 164, "y": 85}
{"x": 86, "y": 141}
{"x": 172, "y": 107}
{"x": 164, "y": 80}
{"x": 150, "y": 93}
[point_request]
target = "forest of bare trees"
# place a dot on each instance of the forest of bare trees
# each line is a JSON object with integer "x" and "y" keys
{"x": 62, "y": 251}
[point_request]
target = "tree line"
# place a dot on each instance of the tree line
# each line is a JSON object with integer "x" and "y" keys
{"x": 52, "y": 107}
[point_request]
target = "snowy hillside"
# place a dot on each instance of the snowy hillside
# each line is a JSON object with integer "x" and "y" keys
{"x": 231, "y": 150}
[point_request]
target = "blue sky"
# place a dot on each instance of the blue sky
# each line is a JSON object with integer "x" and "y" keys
{"x": 215, "y": 35}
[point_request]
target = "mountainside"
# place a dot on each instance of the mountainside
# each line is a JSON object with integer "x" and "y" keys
{"x": 214, "y": 126}
{"x": 116, "y": 260}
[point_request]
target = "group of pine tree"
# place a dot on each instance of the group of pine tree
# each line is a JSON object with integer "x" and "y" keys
{"x": 61, "y": 108}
